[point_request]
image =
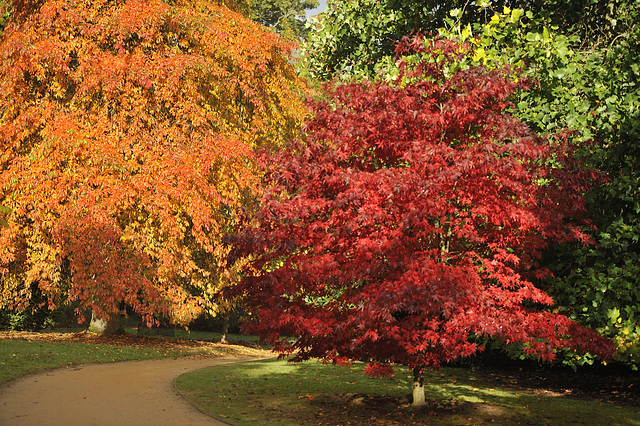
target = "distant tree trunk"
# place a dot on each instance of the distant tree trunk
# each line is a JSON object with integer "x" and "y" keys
{"x": 225, "y": 327}
{"x": 106, "y": 326}
{"x": 418, "y": 387}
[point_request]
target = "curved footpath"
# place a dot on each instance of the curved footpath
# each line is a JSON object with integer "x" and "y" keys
{"x": 126, "y": 393}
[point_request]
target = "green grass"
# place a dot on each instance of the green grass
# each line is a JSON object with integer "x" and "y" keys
{"x": 19, "y": 357}
{"x": 274, "y": 392}
{"x": 179, "y": 334}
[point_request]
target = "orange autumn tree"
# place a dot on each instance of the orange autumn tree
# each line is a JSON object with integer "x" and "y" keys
{"x": 127, "y": 129}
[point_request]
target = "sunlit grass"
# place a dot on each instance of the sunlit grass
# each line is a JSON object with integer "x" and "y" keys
{"x": 274, "y": 392}
{"x": 19, "y": 357}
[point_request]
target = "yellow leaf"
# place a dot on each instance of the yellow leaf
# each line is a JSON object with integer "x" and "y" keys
{"x": 466, "y": 33}
{"x": 479, "y": 54}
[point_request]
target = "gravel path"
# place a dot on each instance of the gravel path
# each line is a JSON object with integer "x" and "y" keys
{"x": 128, "y": 393}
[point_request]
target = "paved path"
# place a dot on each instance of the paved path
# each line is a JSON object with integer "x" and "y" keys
{"x": 128, "y": 393}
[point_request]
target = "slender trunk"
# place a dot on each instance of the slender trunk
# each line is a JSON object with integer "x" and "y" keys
{"x": 106, "y": 326}
{"x": 418, "y": 388}
{"x": 225, "y": 327}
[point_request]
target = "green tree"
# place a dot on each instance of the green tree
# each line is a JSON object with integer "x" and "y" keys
{"x": 592, "y": 90}
{"x": 286, "y": 17}
{"x": 354, "y": 38}
{"x": 596, "y": 23}
{"x": 600, "y": 285}
{"x": 357, "y": 38}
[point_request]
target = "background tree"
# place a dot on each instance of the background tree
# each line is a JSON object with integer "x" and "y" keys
{"x": 127, "y": 131}
{"x": 357, "y": 38}
{"x": 595, "y": 92}
{"x": 594, "y": 23}
{"x": 286, "y": 17}
{"x": 412, "y": 222}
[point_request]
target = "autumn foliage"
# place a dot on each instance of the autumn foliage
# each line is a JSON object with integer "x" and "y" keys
{"x": 408, "y": 226}
{"x": 127, "y": 132}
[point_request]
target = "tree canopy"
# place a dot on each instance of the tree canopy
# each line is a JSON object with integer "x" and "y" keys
{"x": 411, "y": 223}
{"x": 357, "y": 38}
{"x": 127, "y": 131}
{"x": 583, "y": 57}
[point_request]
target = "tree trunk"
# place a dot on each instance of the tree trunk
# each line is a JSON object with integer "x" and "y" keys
{"x": 418, "y": 388}
{"x": 225, "y": 327}
{"x": 106, "y": 326}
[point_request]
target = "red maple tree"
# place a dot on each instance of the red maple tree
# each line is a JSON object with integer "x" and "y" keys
{"x": 408, "y": 225}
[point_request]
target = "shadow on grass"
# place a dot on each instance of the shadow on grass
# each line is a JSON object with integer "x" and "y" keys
{"x": 275, "y": 392}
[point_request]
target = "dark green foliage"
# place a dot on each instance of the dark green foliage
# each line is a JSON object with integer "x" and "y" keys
{"x": 355, "y": 37}
{"x": 34, "y": 318}
{"x": 601, "y": 284}
{"x": 596, "y": 23}
{"x": 208, "y": 323}
{"x": 595, "y": 93}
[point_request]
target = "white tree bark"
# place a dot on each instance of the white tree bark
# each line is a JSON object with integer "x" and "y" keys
{"x": 225, "y": 327}
{"x": 106, "y": 326}
{"x": 418, "y": 388}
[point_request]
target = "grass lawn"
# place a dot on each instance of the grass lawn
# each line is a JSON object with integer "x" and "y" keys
{"x": 274, "y": 392}
{"x": 19, "y": 357}
{"x": 179, "y": 333}
{"x": 23, "y": 352}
